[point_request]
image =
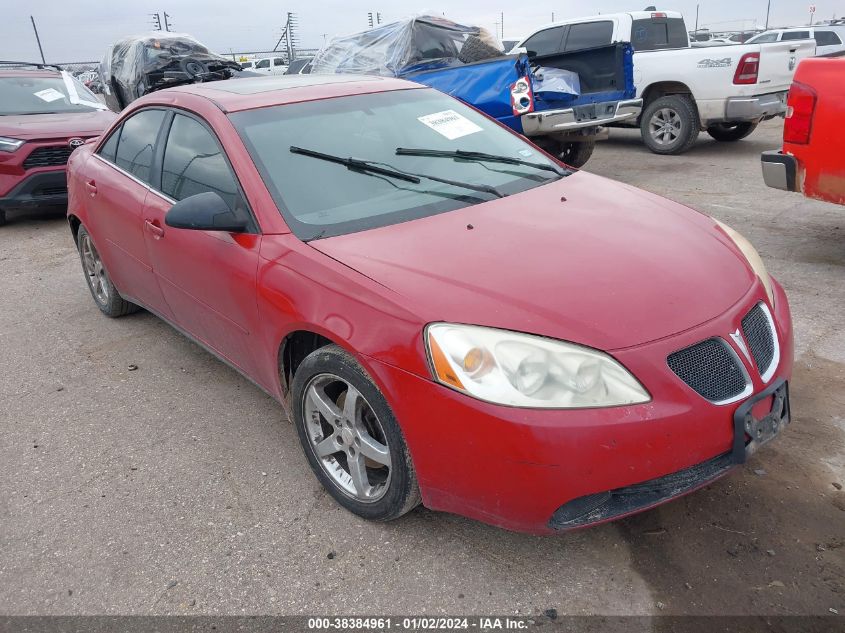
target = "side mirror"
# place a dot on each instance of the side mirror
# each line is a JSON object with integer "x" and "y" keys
{"x": 205, "y": 211}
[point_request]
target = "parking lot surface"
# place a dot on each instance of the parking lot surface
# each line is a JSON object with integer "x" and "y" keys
{"x": 140, "y": 475}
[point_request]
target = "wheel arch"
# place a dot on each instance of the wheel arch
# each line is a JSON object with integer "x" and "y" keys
{"x": 74, "y": 222}
{"x": 292, "y": 350}
{"x": 664, "y": 89}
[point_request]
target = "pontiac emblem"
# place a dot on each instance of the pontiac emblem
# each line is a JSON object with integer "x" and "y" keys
{"x": 740, "y": 343}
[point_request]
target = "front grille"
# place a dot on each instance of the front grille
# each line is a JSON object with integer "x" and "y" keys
{"x": 761, "y": 339}
{"x": 50, "y": 191}
{"x": 711, "y": 369}
{"x": 48, "y": 157}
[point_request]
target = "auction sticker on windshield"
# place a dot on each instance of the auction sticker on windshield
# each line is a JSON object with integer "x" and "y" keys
{"x": 48, "y": 95}
{"x": 449, "y": 124}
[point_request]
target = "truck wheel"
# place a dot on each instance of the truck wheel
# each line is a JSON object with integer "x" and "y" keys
{"x": 573, "y": 154}
{"x": 2, "y": 217}
{"x": 670, "y": 125}
{"x": 728, "y": 132}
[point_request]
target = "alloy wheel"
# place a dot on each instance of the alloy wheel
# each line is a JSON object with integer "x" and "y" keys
{"x": 95, "y": 273}
{"x": 665, "y": 126}
{"x": 347, "y": 438}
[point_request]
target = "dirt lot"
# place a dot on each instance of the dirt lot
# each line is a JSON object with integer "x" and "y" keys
{"x": 178, "y": 487}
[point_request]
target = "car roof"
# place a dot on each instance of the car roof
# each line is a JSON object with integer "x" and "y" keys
{"x": 234, "y": 95}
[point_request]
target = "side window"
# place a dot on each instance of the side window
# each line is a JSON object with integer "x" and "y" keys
{"x": 589, "y": 35}
{"x": 137, "y": 142}
{"x": 827, "y": 38}
{"x": 546, "y": 42}
{"x": 795, "y": 35}
{"x": 109, "y": 148}
{"x": 262, "y": 63}
{"x": 766, "y": 39}
{"x": 278, "y": 62}
{"x": 658, "y": 33}
{"x": 194, "y": 163}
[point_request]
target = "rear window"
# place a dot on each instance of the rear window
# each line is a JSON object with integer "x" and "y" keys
{"x": 659, "y": 33}
{"x": 765, "y": 38}
{"x": 546, "y": 42}
{"x": 795, "y": 35}
{"x": 827, "y": 38}
{"x": 589, "y": 35}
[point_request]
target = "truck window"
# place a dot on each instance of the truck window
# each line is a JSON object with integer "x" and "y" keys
{"x": 546, "y": 42}
{"x": 589, "y": 35}
{"x": 827, "y": 38}
{"x": 765, "y": 38}
{"x": 659, "y": 33}
{"x": 795, "y": 35}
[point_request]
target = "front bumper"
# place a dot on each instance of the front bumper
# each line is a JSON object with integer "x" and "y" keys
{"x": 516, "y": 468}
{"x": 780, "y": 170}
{"x": 573, "y": 119}
{"x": 42, "y": 189}
{"x": 755, "y": 108}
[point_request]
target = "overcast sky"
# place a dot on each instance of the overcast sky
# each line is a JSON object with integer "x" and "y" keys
{"x": 80, "y": 30}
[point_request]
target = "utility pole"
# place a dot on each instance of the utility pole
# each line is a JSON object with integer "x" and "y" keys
{"x": 696, "y": 19}
{"x": 166, "y": 21}
{"x": 370, "y": 19}
{"x": 768, "y": 12}
{"x": 378, "y": 18}
{"x": 38, "y": 39}
{"x": 502, "y": 22}
{"x": 553, "y": 16}
{"x": 156, "y": 21}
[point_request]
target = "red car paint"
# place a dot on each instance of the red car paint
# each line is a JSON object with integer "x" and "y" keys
{"x": 814, "y": 135}
{"x": 582, "y": 259}
{"x": 41, "y": 131}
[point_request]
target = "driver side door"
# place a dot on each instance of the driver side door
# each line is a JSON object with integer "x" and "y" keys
{"x": 208, "y": 278}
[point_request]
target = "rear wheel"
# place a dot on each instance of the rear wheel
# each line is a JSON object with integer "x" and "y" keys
{"x": 351, "y": 438}
{"x": 729, "y": 132}
{"x": 102, "y": 289}
{"x": 670, "y": 125}
{"x": 573, "y": 154}
{"x": 2, "y": 217}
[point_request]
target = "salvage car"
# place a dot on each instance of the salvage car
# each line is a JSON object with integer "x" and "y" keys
{"x": 458, "y": 319}
{"x": 560, "y": 101}
{"x": 812, "y": 159}
{"x": 725, "y": 91}
{"x": 135, "y": 66}
{"x": 44, "y": 115}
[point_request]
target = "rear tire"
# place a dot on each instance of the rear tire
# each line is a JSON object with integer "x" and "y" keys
{"x": 670, "y": 125}
{"x": 102, "y": 289}
{"x": 730, "y": 132}
{"x": 352, "y": 440}
{"x": 573, "y": 154}
{"x": 2, "y": 217}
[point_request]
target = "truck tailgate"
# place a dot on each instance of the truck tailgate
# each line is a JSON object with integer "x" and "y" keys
{"x": 778, "y": 61}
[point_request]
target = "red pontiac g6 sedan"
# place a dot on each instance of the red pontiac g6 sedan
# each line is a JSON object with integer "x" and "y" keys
{"x": 448, "y": 315}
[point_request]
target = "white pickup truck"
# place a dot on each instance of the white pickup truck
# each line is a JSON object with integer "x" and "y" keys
{"x": 725, "y": 90}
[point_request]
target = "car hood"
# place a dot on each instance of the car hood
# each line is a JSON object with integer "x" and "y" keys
{"x": 51, "y": 126}
{"x": 583, "y": 259}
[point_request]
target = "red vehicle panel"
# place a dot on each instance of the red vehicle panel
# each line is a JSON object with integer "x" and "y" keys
{"x": 645, "y": 297}
{"x": 812, "y": 160}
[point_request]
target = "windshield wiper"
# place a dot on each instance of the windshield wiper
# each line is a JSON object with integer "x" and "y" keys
{"x": 373, "y": 167}
{"x": 478, "y": 156}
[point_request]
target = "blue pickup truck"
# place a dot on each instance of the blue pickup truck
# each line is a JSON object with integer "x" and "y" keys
{"x": 560, "y": 101}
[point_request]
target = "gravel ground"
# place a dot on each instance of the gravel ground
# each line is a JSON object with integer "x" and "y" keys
{"x": 140, "y": 475}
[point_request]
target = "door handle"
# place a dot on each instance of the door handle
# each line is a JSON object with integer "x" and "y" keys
{"x": 91, "y": 186}
{"x": 155, "y": 229}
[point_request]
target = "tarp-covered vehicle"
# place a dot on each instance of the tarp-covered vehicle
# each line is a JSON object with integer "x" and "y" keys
{"x": 560, "y": 101}
{"x": 135, "y": 66}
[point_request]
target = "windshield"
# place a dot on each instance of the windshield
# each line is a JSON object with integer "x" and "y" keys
{"x": 44, "y": 95}
{"x": 321, "y": 198}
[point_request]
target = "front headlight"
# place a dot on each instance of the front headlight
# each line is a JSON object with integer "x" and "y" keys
{"x": 9, "y": 144}
{"x": 752, "y": 256}
{"x": 522, "y": 370}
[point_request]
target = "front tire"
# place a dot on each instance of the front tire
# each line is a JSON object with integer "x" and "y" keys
{"x": 670, "y": 125}
{"x": 573, "y": 154}
{"x": 2, "y": 217}
{"x": 730, "y": 132}
{"x": 352, "y": 440}
{"x": 102, "y": 289}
